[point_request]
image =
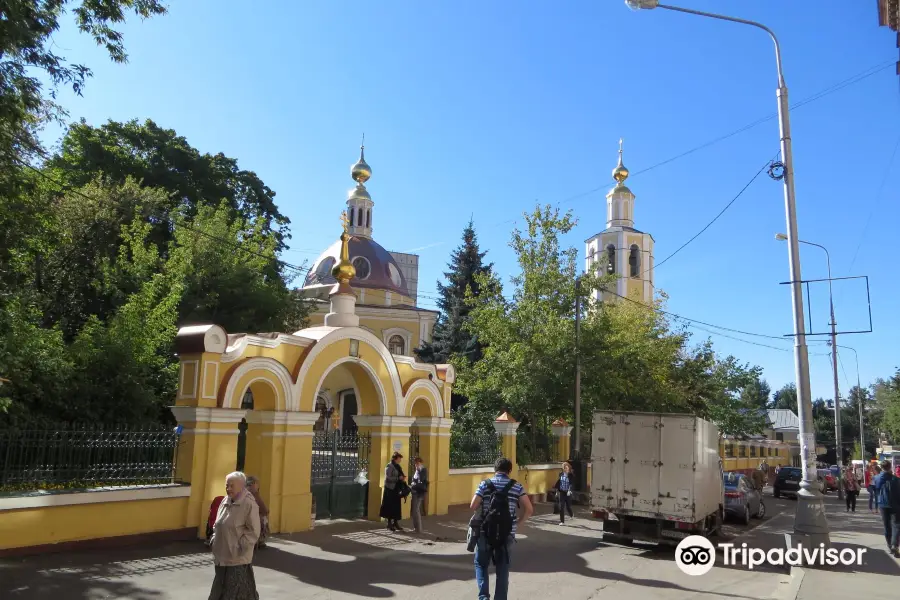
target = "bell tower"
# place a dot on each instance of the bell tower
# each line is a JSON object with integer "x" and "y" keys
{"x": 359, "y": 202}
{"x": 620, "y": 249}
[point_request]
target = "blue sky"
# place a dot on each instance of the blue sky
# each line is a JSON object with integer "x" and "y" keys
{"x": 483, "y": 109}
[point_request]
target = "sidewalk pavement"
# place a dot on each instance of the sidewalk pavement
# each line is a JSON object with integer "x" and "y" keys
{"x": 360, "y": 559}
{"x": 878, "y": 577}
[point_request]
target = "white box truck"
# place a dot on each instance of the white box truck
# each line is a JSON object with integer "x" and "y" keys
{"x": 655, "y": 477}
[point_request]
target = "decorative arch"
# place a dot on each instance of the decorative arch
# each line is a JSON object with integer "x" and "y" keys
{"x": 370, "y": 371}
{"x": 428, "y": 391}
{"x": 391, "y": 394}
{"x": 268, "y": 370}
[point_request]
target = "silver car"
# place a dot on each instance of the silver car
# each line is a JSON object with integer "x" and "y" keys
{"x": 742, "y": 500}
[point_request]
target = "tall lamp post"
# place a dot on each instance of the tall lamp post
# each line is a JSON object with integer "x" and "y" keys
{"x": 839, "y": 449}
{"x": 862, "y": 435}
{"x": 809, "y": 523}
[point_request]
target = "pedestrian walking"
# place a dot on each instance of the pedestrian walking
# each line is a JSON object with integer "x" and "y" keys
{"x": 563, "y": 487}
{"x": 234, "y": 537}
{"x": 888, "y": 489}
{"x": 394, "y": 480}
{"x": 873, "y": 472}
{"x": 253, "y": 486}
{"x": 851, "y": 489}
{"x": 497, "y": 500}
{"x": 419, "y": 489}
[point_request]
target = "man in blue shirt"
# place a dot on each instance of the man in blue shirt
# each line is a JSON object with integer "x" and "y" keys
{"x": 481, "y": 502}
{"x": 887, "y": 500}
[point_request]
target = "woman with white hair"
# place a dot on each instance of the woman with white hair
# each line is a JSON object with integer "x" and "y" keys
{"x": 235, "y": 534}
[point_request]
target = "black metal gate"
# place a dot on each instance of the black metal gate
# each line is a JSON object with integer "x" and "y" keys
{"x": 413, "y": 450}
{"x": 338, "y": 459}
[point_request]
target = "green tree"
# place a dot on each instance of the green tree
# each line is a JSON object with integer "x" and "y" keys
{"x": 160, "y": 158}
{"x": 527, "y": 364}
{"x": 451, "y": 337}
{"x": 27, "y": 48}
{"x": 757, "y": 392}
{"x": 887, "y": 399}
{"x": 786, "y": 398}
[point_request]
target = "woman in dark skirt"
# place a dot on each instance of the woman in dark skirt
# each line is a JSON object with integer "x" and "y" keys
{"x": 390, "y": 502}
{"x": 235, "y": 534}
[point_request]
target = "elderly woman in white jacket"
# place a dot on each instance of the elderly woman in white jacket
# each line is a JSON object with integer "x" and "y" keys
{"x": 234, "y": 537}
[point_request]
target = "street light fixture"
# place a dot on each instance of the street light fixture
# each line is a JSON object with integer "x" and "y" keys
{"x": 810, "y": 524}
{"x": 862, "y": 437}
{"x": 839, "y": 449}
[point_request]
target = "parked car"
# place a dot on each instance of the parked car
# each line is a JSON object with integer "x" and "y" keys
{"x": 787, "y": 482}
{"x": 831, "y": 483}
{"x": 742, "y": 500}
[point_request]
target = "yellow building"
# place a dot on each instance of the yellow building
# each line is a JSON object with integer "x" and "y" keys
{"x": 620, "y": 249}
{"x": 385, "y": 284}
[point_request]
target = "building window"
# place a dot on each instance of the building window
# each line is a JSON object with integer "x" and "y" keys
{"x": 610, "y": 259}
{"x": 729, "y": 450}
{"x": 362, "y": 266}
{"x": 752, "y": 451}
{"x": 779, "y": 436}
{"x": 396, "y": 345}
{"x": 350, "y": 215}
{"x": 359, "y": 218}
{"x": 742, "y": 451}
{"x": 634, "y": 261}
{"x": 776, "y": 452}
{"x": 369, "y": 218}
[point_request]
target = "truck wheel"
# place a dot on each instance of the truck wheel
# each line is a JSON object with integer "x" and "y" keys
{"x": 745, "y": 519}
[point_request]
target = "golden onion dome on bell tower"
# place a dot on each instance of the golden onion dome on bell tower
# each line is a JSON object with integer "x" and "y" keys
{"x": 361, "y": 171}
{"x": 620, "y": 173}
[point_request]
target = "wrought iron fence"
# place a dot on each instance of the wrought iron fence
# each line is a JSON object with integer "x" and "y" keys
{"x": 73, "y": 457}
{"x": 538, "y": 450}
{"x": 474, "y": 449}
{"x": 341, "y": 456}
{"x": 413, "y": 449}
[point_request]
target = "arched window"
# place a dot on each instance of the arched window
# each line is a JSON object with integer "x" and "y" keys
{"x": 369, "y": 218}
{"x": 396, "y": 345}
{"x": 610, "y": 259}
{"x": 359, "y": 220}
{"x": 634, "y": 261}
{"x": 350, "y": 215}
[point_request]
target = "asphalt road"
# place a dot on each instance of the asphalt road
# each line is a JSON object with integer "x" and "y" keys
{"x": 361, "y": 559}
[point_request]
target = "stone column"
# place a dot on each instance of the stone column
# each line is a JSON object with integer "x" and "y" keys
{"x": 279, "y": 451}
{"x": 563, "y": 434}
{"x": 434, "y": 448}
{"x": 389, "y": 435}
{"x": 506, "y": 427}
{"x": 207, "y": 453}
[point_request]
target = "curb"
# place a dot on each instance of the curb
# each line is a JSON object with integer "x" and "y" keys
{"x": 789, "y": 588}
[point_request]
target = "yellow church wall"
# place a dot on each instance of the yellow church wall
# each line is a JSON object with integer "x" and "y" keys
{"x": 537, "y": 479}
{"x": 42, "y": 525}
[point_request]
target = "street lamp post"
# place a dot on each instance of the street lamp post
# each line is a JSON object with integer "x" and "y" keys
{"x": 839, "y": 449}
{"x": 810, "y": 524}
{"x": 862, "y": 435}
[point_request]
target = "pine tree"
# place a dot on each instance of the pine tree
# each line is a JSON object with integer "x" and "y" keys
{"x": 450, "y": 336}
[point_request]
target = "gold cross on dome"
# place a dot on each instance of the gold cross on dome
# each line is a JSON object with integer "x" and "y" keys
{"x": 345, "y": 221}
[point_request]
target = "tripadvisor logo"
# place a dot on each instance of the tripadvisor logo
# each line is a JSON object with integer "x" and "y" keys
{"x": 696, "y": 555}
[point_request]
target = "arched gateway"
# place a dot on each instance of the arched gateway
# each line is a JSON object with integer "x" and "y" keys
{"x": 368, "y": 403}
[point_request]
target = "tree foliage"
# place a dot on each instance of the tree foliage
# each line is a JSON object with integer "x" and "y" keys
{"x": 632, "y": 356}
{"x": 451, "y": 338}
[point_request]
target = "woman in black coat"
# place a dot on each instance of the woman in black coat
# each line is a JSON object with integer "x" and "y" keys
{"x": 394, "y": 480}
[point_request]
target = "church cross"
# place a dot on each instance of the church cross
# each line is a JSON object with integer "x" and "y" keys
{"x": 345, "y": 221}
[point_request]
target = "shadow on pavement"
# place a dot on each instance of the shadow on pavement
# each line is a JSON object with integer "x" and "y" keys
{"x": 355, "y": 558}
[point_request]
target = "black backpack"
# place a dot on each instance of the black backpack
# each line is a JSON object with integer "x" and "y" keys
{"x": 496, "y": 527}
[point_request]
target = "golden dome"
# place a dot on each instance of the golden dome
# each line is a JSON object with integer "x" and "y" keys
{"x": 361, "y": 171}
{"x": 620, "y": 173}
